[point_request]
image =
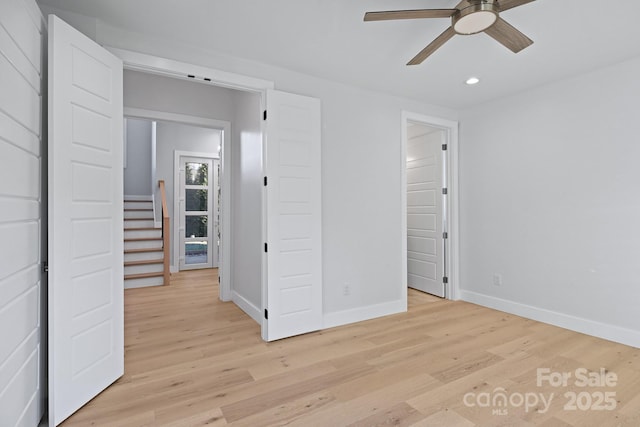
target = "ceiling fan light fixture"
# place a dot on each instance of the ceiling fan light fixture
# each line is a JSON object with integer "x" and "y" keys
{"x": 475, "y": 18}
{"x": 468, "y": 17}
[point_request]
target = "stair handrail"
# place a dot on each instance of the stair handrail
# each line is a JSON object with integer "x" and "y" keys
{"x": 165, "y": 233}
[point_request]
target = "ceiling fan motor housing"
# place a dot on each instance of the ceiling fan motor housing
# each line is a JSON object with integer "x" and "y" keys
{"x": 476, "y": 17}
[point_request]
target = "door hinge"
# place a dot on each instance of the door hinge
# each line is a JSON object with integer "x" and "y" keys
{"x": 265, "y": 247}
{"x": 264, "y": 115}
{"x": 444, "y": 147}
{"x": 445, "y": 235}
{"x": 445, "y": 280}
{"x": 444, "y": 191}
{"x": 266, "y": 313}
{"x": 265, "y": 181}
{"x": 45, "y": 267}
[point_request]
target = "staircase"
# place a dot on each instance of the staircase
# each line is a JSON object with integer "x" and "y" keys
{"x": 143, "y": 245}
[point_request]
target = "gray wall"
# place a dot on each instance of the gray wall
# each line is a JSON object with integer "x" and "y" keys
{"x": 137, "y": 174}
{"x": 246, "y": 192}
{"x": 549, "y": 199}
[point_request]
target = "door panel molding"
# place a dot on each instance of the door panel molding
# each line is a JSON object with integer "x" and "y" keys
{"x": 292, "y": 294}
{"x": 425, "y": 243}
{"x": 86, "y": 291}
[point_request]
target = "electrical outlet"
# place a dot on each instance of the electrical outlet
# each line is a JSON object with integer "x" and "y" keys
{"x": 346, "y": 289}
{"x": 497, "y": 279}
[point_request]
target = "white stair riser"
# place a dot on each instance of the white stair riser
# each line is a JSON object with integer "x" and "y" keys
{"x": 139, "y": 269}
{"x": 143, "y": 256}
{"x": 145, "y": 244}
{"x": 138, "y": 214}
{"x": 139, "y": 234}
{"x": 141, "y": 283}
{"x": 139, "y": 224}
{"x": 137, "y": 205}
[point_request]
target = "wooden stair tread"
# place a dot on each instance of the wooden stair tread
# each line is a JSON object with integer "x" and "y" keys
{"x": 143, "y": 275}
{"x": 138, "y": 251}
{"x": 144, "y": 262}
{"x": 142, "y": 239}
{"x": 143, "y": 229}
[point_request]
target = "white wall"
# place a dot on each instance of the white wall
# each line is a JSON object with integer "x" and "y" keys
{"x": 137, "y": 174}
{"x": 550, "y": 200}
{"x": 22, "y": 287}
{"x": 171, "y": 137}
{"x": 246, "y": 197}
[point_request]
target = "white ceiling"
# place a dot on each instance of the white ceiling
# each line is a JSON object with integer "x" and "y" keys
{"x": 328, "y": 39}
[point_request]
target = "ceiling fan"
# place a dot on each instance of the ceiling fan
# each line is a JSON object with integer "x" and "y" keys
{"x": 468, "y": 17}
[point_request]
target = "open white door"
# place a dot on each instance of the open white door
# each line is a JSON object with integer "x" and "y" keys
{"x": 425, "y": 245}
{"x": 86, "y": 325}
{"x": 293, "y": 295}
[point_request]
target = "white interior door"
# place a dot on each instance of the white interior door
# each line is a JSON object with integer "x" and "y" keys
{"x": 424, "y": 211}
{"x": 293, "y": 290}
{"x": 86, "y": 347}
{"x": 198, "y": 213}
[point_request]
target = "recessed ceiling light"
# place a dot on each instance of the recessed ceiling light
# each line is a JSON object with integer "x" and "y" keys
{"x": 472, "y": 81}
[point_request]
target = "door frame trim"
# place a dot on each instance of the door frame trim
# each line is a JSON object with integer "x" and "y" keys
{"x": 137, "y": 61}
{"x": 452, "y": 252}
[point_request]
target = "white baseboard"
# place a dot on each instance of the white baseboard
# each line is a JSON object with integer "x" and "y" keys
{"x": 597, "y": 329}
{"x": 254, "y": 312}
{"x": 360, "y": 314}
{"x": 137, "y": 198}
{"x": 173, "y": 269}
{"x": 157, "y": 224}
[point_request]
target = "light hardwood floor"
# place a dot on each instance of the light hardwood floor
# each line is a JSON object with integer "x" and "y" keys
{"x": 193, "y": 360}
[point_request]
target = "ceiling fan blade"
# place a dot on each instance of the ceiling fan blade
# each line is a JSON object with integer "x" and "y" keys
{"x": 409, "y": 14}
{"x": 509, "y": 36}
{"x": 433, "y": 46}
{"x": 510, "y": 4}
{"x": 463, "y": 4}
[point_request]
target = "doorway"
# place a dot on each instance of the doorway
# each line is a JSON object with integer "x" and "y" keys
{"x": 198, "y": 212}
{"x": 180, "y": 135}
{"x": 429, "y": 192}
